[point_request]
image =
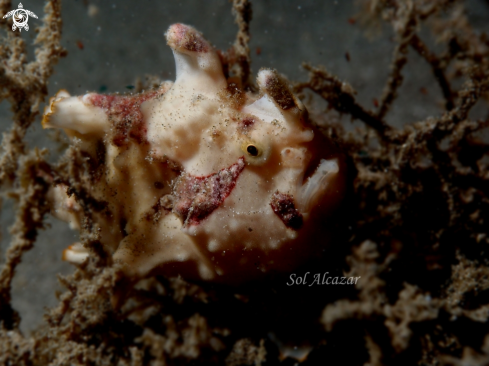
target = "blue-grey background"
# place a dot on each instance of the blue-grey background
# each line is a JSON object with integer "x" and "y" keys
{"x": 111, "y": 43}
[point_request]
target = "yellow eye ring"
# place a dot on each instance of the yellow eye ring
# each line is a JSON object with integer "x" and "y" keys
{"x": 256, "y": 153}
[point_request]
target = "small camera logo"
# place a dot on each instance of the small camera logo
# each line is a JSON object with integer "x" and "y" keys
{"x": 20, "y": 17}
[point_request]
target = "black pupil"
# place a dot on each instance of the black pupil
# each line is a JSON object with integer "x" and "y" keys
{"x": 252, "y": 150}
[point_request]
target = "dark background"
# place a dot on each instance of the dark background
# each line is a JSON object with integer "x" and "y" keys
{"x": 125, "y": 40}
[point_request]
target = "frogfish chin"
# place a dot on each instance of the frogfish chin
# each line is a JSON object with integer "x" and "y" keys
{"x": 200, "y": 178}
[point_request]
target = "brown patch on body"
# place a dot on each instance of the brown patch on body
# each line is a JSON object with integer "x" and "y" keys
{"x": 197, "y": 197}
{"x": 277, "y": 88}
{"x": 124, "y": 112}
{"x": 181, "y": 36}
{"x": 233, "y": 95}
{"x": 167, "y": 164}
{"x": 158, "y": 185}
{"x": 95, "y": 163}
{"x": 284, "y": 207}
{"x": 161, "y": 207}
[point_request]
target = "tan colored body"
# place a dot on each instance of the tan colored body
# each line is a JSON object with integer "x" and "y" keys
{"x": 198, "y": 184}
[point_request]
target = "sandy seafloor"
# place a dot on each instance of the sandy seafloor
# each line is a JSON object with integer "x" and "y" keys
{"x": 109, "y": 50}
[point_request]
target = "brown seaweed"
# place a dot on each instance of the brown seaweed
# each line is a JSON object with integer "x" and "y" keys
{"x": 414, "y": 228}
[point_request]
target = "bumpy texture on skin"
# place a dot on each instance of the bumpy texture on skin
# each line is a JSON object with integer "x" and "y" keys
{"x": 200, "y": 178}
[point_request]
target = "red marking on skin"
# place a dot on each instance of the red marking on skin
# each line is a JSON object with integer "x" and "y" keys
{"x": 246, "y": 124}
{"x": 125, "y": 114}
{"x": 284, "y": 207}
{"x": 80, "y": 45}
{"x": 198, "y": 197}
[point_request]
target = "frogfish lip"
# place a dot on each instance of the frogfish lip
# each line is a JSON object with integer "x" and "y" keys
{"x": 314, "y": 176}
{"x": 196, "y": 197}
{"x": 320, "y": 182}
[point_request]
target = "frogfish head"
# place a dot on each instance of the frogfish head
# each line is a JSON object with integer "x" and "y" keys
{"x": 200, "y": 178}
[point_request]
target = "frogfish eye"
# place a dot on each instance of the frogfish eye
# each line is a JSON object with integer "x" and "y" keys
{"x": 256, "y": 152}
{"x": 252, "y": 150}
